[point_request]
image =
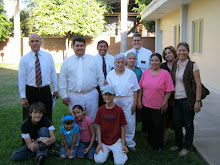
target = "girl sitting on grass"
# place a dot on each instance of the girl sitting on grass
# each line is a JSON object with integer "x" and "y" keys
{"x": 87, "y": 133}
{"x": 69, "y": 131}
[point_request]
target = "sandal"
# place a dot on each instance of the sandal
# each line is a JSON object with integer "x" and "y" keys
{"x": 184, "y": 152}
{"x": 174, "y": 148}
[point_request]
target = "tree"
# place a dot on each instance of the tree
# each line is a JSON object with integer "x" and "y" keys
{"x": 68, "y": 18}
{"x": 142, "y": 4}
{"x": 27, "y": 25}
{"x": 5, "y": 24}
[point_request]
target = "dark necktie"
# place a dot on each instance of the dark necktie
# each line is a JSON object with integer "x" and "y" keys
{"x": 104, "y": 67}
{"x": 38, "y": 71}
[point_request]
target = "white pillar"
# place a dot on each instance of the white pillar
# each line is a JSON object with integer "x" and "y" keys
{"x": 15, "y": 57}
{"x": 158, "y": 38}
{"x": 183, "y": 25}
{"x": 124, "y": 17}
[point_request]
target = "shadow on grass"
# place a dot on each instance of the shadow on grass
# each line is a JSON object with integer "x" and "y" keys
{"x": 9, "y": 85}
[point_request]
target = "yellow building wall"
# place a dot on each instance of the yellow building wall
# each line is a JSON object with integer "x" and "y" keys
{"x": 209, "y": 61}
{"x": 167, "y": 26}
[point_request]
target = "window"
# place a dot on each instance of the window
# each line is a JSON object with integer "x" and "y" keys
{"x": 197, "y": 32}
{"x": 176, "y": 35}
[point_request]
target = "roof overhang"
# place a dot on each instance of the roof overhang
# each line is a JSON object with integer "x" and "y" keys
{"x": 159, "y": 8}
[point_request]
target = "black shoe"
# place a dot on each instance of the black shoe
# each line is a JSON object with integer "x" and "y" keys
{"x": 150, "y": 147}
{"x": 40, "y": 159}
{"x": 53, "y": 153}
{"x": 56, "y": 145}
{"x": 160, "y": 150}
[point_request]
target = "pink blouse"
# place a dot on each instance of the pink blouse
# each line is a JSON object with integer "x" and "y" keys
{"x": 155, "y": 88}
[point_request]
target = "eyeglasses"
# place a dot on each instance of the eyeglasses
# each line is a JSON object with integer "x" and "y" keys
{"x": 136, "y": 40}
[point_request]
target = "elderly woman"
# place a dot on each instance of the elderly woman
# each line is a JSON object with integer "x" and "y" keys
{"x": 185, "y": 103}
{"x": 125, "y": 83}
{"x": 169, "y": 55}
{"x": 156, "y": 87}
{"x": 131, "y": 59}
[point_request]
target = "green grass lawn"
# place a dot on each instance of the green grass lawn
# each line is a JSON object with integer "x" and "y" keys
{"x": 10, "y": 136}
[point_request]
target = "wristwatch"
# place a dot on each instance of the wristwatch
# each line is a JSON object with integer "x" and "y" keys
{"x": 198, "y": 100}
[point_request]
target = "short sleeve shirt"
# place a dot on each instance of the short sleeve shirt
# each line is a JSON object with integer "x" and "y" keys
{"x": 125, "y": 84}
{"x": 155, "y": 88}
{"x": 28, "y": 129}
{"x": 69, "y": 134}
{"x": 84, "y": 131}
{"x": 110, "y": 121}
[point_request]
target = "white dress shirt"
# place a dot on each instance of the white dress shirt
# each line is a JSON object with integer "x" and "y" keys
{"x": 125, "y": 84}
{"x": 26, "y": 73}
{"x": 109, "y": 61}
{"x": 143, "y": 58}
{"x": 92, "y": 74}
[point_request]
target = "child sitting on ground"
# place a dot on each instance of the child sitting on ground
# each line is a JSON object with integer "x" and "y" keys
{"x": 38, "y": 134}
{"x": 110, "y": 122}
{"x": 69, "y": 131}
{"x": 87, "y": 133}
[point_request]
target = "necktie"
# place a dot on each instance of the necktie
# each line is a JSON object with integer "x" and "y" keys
{"x": 136, "y": 54}
{"x": 104, "y": 67}
{"x": 79, "y": 75}
{"x": 38, "y": 71}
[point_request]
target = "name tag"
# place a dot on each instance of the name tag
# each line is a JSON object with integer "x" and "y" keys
{"x": 143, "y": 62}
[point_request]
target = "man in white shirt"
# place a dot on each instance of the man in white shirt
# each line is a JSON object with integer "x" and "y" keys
{"x": 106, "y": 61}
{"x": 79, "y": 77}
{"x": 142, "y": 54}
{"x": 36, "y": 72}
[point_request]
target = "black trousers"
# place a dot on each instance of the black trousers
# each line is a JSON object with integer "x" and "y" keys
{"x": 154, "y": 126}
{"x": 34, "y": 95}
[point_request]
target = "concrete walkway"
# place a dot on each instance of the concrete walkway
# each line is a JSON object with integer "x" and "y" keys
{"x": 207, "y": 129}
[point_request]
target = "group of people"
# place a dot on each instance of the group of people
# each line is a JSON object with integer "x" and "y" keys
{"x": 125, "y": 83}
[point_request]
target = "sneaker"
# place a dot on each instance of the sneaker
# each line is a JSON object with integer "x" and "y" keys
{"x": 160, "y": 150}
{"x": 40, "y": 159}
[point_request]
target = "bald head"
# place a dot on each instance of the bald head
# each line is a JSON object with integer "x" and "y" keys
{"x": 35, "y": 42}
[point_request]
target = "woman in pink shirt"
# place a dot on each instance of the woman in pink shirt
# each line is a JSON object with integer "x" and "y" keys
{"x": 156, "y": 86}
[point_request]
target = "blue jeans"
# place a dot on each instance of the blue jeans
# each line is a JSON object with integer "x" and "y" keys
{"x": 183, "y": 117}
{"x": 24, "y": 153}
{"x": 63, "y": 151}
{"x": 83, "y": 146}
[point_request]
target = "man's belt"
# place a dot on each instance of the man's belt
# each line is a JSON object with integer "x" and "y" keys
{"x": 84, "y": 93}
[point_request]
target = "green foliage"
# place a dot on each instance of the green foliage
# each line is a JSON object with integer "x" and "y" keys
{"x": 5, "y": 24}
{"x": 142, "y": 4}
{"x": 27, "y": 24}
{"x": 68, "y": 17}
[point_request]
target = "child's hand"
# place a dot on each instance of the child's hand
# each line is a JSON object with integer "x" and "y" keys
{"x": 34, "y": 146}
{"x": 86, "y": 151}
{"x": 99, "y": 147}
{"x": 124, "y": 149}
{"x": 68, "y": 152}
